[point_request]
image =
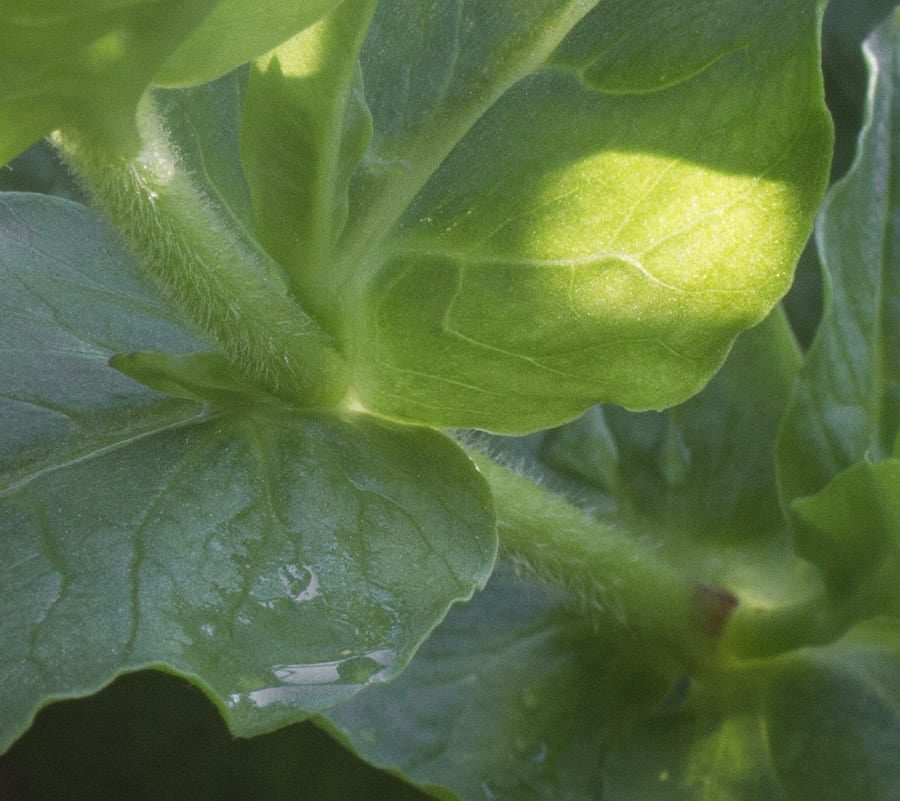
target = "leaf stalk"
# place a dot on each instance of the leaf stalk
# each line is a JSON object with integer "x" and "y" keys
{"x": 215, "y": 273}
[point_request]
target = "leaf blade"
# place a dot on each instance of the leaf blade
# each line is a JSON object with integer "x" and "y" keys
{"x": 845, "y": 406}
{"x": 282, "y": 561}
{"x": 594, "y": 260}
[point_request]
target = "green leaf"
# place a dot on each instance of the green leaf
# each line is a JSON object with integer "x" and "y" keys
{"x": 510, "y": 698}
{"x": 705, "y": 465}
{"x": 236, "y": 32}
{"x": 71, "y": 297}
{"x": 711, "y": 752}
{"x": 846, "y": 405}
{"x": 304, "y": 128}
{"x": 823, "y": 723}
{"x": 281, "y": 561}
{"x": 855, "y": 529}
{"x": 83, "y": 64}
{"x": 280, "y": 597}
{"x": 833, "y": 717}
{"x": 698, "y": 481}
{"x": 535, "y": 228}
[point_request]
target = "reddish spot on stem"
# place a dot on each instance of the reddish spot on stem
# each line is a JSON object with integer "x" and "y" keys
{"x": 714, "y": 605}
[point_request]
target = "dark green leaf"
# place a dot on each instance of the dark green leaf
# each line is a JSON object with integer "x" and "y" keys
{"x": 822, "y": 723}
{"x": 846, "y": 405}
{"x": 71, "y": 298}
{"x": 833, "y": 718}
{"x": 846, "y": 25}
{"x": 511, "y": 698}
{"x": 282, "y": 561}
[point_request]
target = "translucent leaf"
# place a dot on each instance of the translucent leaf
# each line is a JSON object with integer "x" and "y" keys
{"x": 305, "y": 126}
{"x": 544, "y": 220}
{"x": 83, "y": 64}
{"x": 234, "y": 33}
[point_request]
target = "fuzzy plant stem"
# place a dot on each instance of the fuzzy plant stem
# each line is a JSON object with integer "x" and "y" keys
{"x": 208, "y": 266}
{"x": 618, "y": 582}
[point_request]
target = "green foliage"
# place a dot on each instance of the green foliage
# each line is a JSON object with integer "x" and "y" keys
{"x": 326, "y": 232}
{"x": 603, "y": 218}
{"x": 228, "y": 543}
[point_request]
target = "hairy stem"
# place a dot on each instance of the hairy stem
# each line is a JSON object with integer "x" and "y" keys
{"x": 219, "y": 276}
{"x": 618, "y": 581}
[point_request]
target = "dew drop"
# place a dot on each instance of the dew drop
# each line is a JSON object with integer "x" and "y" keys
{"x": 300, "y": 582}
{"x": 540, "y": 755}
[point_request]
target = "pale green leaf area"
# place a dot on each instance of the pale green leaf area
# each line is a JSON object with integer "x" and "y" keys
{"x": 423, "y": 94}
{"x": 846, "y": 406}
{"x": 560, "y": 243}
{"x": 282, "y": 561}
{"x": 511, "y": 699}
{"x": 305, "y": 126}
{"x": 236, "y": 32}
{"x": 83, "y": 64}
